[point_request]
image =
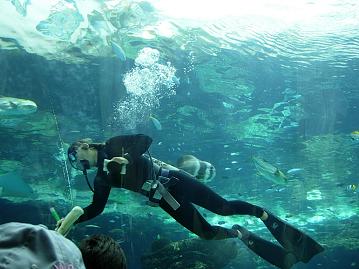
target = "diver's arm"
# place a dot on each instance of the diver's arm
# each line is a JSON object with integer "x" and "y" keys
{"x": 99, "y": 200}
{"x": 134, "y": 145}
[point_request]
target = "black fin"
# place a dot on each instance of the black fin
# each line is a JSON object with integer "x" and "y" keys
{"x": 267, "y": 250}
{"x": 292, "y": 239}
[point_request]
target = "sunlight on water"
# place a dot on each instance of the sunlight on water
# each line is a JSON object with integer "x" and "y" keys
{"x": 146, "y": 84}
{"x": 290, "y": 11}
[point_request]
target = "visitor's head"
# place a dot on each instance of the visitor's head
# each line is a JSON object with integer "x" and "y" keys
{"x": 23, "y": 245}
{"x": 102, "y": 252}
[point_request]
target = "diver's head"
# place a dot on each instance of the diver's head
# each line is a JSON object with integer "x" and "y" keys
{"x": 82, "y": 154}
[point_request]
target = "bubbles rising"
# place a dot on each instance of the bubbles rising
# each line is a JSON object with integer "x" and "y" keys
{"x": 146, "y": 84}
{"x": 147, "y": 57}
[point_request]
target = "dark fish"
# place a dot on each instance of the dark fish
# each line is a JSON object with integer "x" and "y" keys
{"x": 12, "y": 184}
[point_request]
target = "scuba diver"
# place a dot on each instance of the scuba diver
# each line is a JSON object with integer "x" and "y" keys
{"x": 122, "y": 163}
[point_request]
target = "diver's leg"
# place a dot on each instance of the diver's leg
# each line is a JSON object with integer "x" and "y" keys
{"x": 303, "y": 246}
{"x": 269, "y": 251}
{"x": 189, "y": 217}
{"x": 200, "y": 194}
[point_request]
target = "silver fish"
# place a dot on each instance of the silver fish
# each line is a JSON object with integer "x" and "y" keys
{"x": 269, "y": 171}
{"x": 156, "y": 123}
{"x": 295, "y": 170}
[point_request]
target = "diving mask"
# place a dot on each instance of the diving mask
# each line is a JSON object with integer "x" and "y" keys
{"x": 81, "y": 165}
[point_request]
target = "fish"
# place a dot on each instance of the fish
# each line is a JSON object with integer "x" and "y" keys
{"x": 294, "y": 171}
{"x": 11, "y": 106}
{"x": 119, "y": 52}
{"x": 92, "y": 226}
{"x": 117, "y": 231}
{"x": 274, "y": 189}
{"x": 276, "y": 105}
{"x": 202, "y": 170}
{"x": 13, "y": 185}
{"x": 189, "y": 163}
{"x": 206, "y": 172}
{"x": 352, "y": 187}
{"x": 269, "y": 171}
{"x": 355, "y": 135}
{"x": 156, "y": 123}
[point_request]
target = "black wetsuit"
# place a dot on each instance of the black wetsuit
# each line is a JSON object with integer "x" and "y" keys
{"x": 187, "y": 190}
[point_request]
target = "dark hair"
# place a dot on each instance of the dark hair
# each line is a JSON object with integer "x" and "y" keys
{"x": 74, "y": 146}
{"x": 102, "y": 252}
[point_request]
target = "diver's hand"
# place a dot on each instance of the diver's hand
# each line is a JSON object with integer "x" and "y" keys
{"x": 59, "y": 223}
{"x": 67, "y": 222}
{"x": 120, "y": 160}
{"x": 114, "y": 162}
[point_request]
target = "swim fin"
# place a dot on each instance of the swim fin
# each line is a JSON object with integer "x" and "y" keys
{"x": 269, "y": 251}
{"x": 292, "y": 239}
